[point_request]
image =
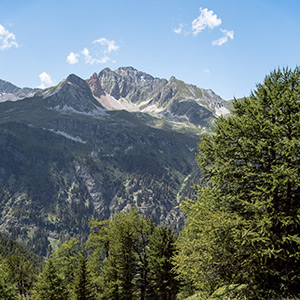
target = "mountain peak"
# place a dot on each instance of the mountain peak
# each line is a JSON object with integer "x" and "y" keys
{"x": 72, "y": 95}
{"x": 95, "y": 85}
{"x": 73, "y": 78}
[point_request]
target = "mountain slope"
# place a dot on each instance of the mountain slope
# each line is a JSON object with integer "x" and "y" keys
{"x": 10, "y": 92}
{"x": 66, "y": 158}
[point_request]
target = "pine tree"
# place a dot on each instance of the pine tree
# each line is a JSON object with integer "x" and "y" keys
{"x": 119, "y": 256}
{"x": 243, "y": 231}
{"x": 144, "y": 229}
{"x": 50, "y": 285}
{"x": 114, "y": 244}
{"x": 7, "y": 289}
{"x": 21, "y": 273}
{"x": 83, "y": 287}
{"x": 161, "y": 249}
{"x": 66, "y": 259}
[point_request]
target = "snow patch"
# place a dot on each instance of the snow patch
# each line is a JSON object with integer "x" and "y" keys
{"x": 68, "y": 109}
{"x": 69, "y": 137}
{"x": 222, "y": 111}
{"x": 129, "y": 148}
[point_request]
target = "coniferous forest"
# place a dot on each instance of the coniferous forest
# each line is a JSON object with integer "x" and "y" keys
{"x": 241, "y": 239}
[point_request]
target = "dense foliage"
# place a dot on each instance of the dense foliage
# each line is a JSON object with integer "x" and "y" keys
{"x": 127, "y": 257}
{"x": 243, "y": 230}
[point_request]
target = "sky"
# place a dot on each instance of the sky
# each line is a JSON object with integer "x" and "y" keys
{"x": 228, "y": 46}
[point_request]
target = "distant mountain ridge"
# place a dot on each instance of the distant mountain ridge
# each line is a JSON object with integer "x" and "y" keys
{"x": 10, "y": 92}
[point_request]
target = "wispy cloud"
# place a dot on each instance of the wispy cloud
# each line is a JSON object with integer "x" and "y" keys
{"x": 95, "y": 56}
{"x": 7, "y": 39}
{"x": 72, "y": 58}
{"x": 206, "y": 71}
{"x": 92, "y": 60}
{"x": 224, "y": 39}
{"x": 110, "y": 45}
{"x": 178, "y": 30}
{"x": 207, "y": 18}
{"x": 45, "y": 79}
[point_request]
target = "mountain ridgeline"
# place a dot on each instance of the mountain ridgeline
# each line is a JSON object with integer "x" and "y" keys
{"x": 87, "y": 149}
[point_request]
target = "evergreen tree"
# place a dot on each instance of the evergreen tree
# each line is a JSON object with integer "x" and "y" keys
{"x": 21, "y": 273}
{"x": 243, "y": 231}
{"x": 7, "y": 289}
{"x": 83, "y": 287}
{"x": 117, "y": 239}
{"x": 119, "y": 256}
{"x": 66, "y": 259}
{"x": 50, "y": 284}
{"x": 144, "y": 229}
{"x": 161, "y": 250}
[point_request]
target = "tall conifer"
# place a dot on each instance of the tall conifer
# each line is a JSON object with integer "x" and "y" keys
{"x": 243, "y": 232}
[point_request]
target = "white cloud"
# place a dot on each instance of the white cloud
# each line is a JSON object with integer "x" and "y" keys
{"x": 178, "y": 30}
{"x": 95, "y": 56}
{"x": 87, "y": 57}
{"x": 91, "y": 60}
{"x": 72, "y": 58}
{"x": 207, "y": 18}
{"x": 45, "y": 80}
{"x": 103, "y": 60}
{"x": 224, "y": 39}
{"x": 110, "y": 45}
{"x": 7, "y": 39}
{"x": 206, "y": 71}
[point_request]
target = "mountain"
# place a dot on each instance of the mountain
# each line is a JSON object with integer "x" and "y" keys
{"x": 10, "y": 92}
{"x": 132, "y": 90}
{"x": 71, "y": 95}
{"x": 89, "y": 148}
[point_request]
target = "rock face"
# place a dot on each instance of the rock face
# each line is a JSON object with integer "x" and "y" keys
{"x": 10, "y": 92}
{"x": 130, "y": 83}
{"x": 88, "y": 149}
{"x": 95, "y": 86}
{"x": 71, "y": 95}
{"x": 137, "y": 91}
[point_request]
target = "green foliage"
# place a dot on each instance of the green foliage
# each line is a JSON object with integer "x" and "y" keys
{"x": 66, "y": 261}
{"x": 19, "y": 267}
{"x": 83, "y": 287}
{"x": 7, "y": 289}
{"x": 21, "y": 273}
{"x": 161, "y": 249}
{"x": 244, "y": 228}
{"x": 9, "y": 247}
{"x": 129, "y": 257}
{"x": 50, "y": 284}
{"x": 119, "y": 238}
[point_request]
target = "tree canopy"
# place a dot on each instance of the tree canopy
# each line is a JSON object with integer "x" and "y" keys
{"x": 243, "y": 230}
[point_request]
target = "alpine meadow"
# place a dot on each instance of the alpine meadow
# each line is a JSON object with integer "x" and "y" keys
{"x": 149, "y": 150}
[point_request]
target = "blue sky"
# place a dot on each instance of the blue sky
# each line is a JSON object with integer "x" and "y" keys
{"x": 225, "y": 45}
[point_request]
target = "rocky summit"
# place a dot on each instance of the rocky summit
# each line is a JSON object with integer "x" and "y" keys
{"x": 86, "y": 149}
